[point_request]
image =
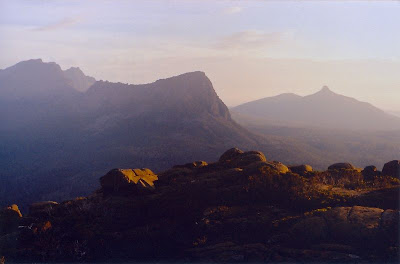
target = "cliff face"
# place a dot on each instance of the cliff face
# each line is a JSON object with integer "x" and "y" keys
{"x": 190, "y": 95}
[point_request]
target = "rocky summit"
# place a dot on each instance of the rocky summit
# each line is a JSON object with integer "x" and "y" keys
{"x": 242, "y": 208}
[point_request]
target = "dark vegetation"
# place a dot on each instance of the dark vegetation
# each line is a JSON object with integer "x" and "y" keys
{"x": 242, "y": 208}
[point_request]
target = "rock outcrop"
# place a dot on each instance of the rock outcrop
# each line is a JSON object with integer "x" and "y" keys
{"x": 42, "y": 209}
{"x": 392, "y": 169}
{"x": 241, "y": 208}
{"x": 301, "y": 169}
{"x": 9, "y": 219}
{"x": 370, "y": 172}
{"x": 192, "y": 165}
{"x": 341, "y": 166}
{"x": 134, "y": 180}
{"x": 230, "y": 154}
{"x": 351, "y": 226}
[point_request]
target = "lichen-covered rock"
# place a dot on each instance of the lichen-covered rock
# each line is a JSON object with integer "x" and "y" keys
{"x": 134, "y": 180}
{"x": 280, "y": 167}
{"x": 341, "y": 166}
{"x": 392, "y": 169}
{"x": 230, "y": 154}
{"x": 257, "y": 167}
{"x": 9, "y": 219}
{"x": 301, "y": 169}
{"x": 247, "y": 158}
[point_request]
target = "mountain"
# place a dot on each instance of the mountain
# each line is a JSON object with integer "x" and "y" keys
{"x": 32, "y": 92}
{"x": 56, "y": 141}
{"x": 34, "y": 80}
{"x": 324, "y": 109}
{"x": 79, "y": 80}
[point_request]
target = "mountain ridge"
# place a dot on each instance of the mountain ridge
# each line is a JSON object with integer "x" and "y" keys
{"x": 75, "y": 138}
{"x": 55, "y": 149}
{"x": 325, "y": 109}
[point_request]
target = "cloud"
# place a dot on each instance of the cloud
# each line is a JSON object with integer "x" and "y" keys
{"x": 233, "y": 10}
{"x": 251, "y": 39}
{"x": 66, "y": 22}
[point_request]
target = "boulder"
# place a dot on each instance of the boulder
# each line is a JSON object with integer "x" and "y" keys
{"x": 134, "y": 180}
{"x": 230, "y": 154}
{"x": 9, "y": 219}
{"x": 370, "y": 172}
{"x": 280, "y": 167}
{"x": 301, "y": 169}
{"x": 341, "y": 166}
{"x": 247, "y": 158}
{"x": 257, "y": 167}
{"x": 42, "y": 209}
{"x": 392, "y": 169}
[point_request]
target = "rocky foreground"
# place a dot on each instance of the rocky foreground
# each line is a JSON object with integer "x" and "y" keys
{"x": 241, "y": 208}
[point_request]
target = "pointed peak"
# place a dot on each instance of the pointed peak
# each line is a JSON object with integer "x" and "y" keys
{"x": 325, "y": 89}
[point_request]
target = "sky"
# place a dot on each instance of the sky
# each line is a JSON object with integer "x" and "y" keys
{"x": 248, "y": 49}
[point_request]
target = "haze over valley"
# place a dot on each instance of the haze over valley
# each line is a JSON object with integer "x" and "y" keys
{"x": 62, "y": 139}
{"x": 173, "y": 131}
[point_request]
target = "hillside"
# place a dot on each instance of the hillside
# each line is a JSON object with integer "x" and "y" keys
{"x": 241, "y": 208}
{"x": 324, "y": 109}
{"x": 56, "y": 141}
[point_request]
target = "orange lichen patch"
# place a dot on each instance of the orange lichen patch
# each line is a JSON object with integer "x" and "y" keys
{"x": 143, "y": 176}
{"x": 46, "y": 226}
{"x": 15, "y": 208}
{"x": 125, "y": 179}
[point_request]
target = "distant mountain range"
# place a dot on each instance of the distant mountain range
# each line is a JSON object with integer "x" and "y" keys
{"x": 55, "y": 140}
{"x": 61, "y": 130}
{"x": 324, "y": 109}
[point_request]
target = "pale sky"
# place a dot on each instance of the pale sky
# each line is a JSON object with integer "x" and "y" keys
{"x": 249, "y": 49}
